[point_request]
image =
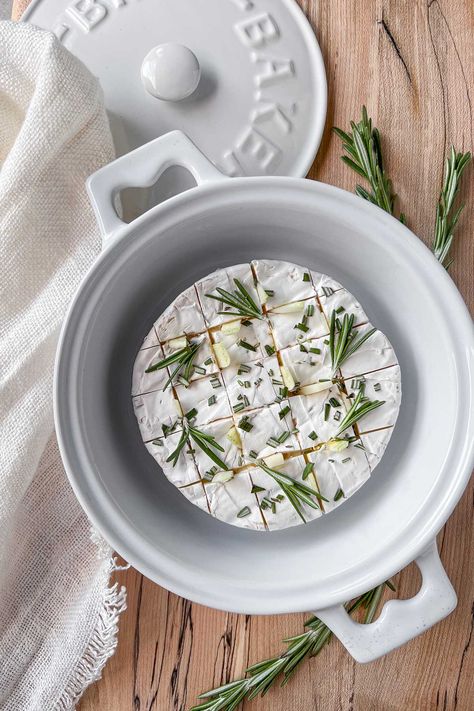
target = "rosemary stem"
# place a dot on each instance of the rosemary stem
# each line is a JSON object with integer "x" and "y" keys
{"x": 446, "y": 219}
{"x": 363, "y": 154}
{"x": 262, "y": 675}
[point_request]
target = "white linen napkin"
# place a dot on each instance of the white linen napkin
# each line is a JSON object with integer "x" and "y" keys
{"x": 58, "y": 615}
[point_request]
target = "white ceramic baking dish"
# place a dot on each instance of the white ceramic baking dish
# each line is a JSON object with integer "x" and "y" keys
{"x": 392, "y": 520}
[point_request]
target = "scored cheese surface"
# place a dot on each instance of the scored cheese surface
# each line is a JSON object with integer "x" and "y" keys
{"x": 261, "y": 387}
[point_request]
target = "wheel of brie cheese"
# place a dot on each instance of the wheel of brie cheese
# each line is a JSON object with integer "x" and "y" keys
{"x": 265, "y": 395}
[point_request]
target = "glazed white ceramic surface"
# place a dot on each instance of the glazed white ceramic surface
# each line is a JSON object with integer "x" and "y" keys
{"x": 392, "y": 520}
{"x": 170, "y": 72}
{"x": 260, "y": 106}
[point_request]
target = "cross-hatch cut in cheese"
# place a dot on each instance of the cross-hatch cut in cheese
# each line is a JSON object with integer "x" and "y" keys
{"x": 253, "y": 383}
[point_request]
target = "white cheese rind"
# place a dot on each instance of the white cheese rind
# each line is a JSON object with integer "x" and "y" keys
{"x": 375, "y": 444}
{"x": 309, "y": 416}
{"x": 375, "y": 353}
{"x": 343, "y": 303}
{"x": 153, "y": 410}
{"x": 227, "y": 500}
{"x": 382, "y": 385}
{"x": 183, "y": 316}
{"x": 185, "y": 472}
{"x": 252, "y": 389}
{"x": 308, "y": 367}
{"x": 223, "y": 278}
{"x": 284, "y": 326}
{"x": 196, "y": 396}
{"x": 254, "y": 395}
{"x": 267, "y": 423}
{"x": 346, "y": 470}
{"x": 254, "y": 333}
{"x": 143, "y": 382}
{"x": 196, "y": 494}
{"x": 204, "y": 359}
{"x": 285, "y": 280}
{"x": 151, "y": 339}
{"x": 231, "y": 455}
{"x": 324, "y": 284}
{"x": 285, "y": 515}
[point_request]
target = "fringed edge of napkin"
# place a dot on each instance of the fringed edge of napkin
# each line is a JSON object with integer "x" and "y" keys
{"x": 103, "y": 642}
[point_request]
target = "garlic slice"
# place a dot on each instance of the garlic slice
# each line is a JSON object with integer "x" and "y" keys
{"x": 287, "y": 377}
{"x": 234, "y": 437}
{"x": 337, "y": 445}
{"x": 230, "y": 328}
{"x": 274, "y": 460}
{"x": 315, "y": 388}
{"x": 176, "y": 344}
{"x": 262, "y": 294}
{"x": 294, "y": 307}
{"x": 222, "y": 477}
{"x": 222, "y": 355}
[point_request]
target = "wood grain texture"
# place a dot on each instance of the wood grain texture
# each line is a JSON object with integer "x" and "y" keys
{"x": 412, "y": 64}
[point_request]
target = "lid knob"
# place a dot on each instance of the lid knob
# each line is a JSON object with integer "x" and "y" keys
{"x": 170, "y": 72}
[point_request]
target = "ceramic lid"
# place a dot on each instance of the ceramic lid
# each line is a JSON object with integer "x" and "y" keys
{"x": 243, "y": 78}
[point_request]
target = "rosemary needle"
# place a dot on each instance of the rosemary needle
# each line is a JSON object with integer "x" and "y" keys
{"x": 359, "y": 408}
{"x": 174, "y": 456}
{"x": 183, "y": 359}
{"x": 446, "y": 221}
{"x": 204, "y": 441}
{"x": 240, "y": 301}
{"x": 363, "y": 149}
{"x": 364, "y": 156}
{"x": 343, "y": 342}
{"x": 260, "y": 677}
{"x": 296, "y": 492}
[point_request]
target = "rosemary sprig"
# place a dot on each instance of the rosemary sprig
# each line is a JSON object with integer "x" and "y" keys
{"x": 239, "y": 300}
{"x": 343, "y": 341}
{"x": 364, "y": 156}
{"x": 295, "y": 491}
{"x": 174, "y": 456}
{"x": 446, "y": 221}
{"x": 184, "y": 363}
{"x": 207, "y": 442}
{"x": 261, "y": 676}
{"x": 204, "y": 441}
{"x": 359, "y": 408}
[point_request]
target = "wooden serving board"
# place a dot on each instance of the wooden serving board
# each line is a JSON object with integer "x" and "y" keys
{"x": 412, "y": 63}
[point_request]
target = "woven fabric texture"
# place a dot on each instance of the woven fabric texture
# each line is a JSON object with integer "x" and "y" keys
{"x": 58, "y": 615}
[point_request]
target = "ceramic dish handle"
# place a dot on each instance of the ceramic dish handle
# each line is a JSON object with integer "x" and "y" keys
{"x": 142, "y": 168}
{"x": 400, "y": 620}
